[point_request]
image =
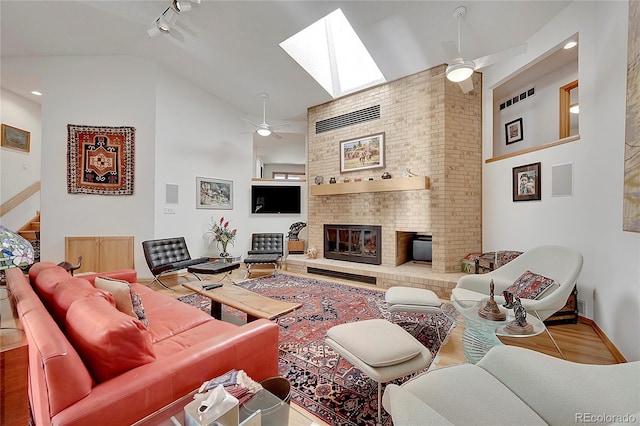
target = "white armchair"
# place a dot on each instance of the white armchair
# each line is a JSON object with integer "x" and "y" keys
{"x": 513, "y": 385}
{"x": 562, "y": 264}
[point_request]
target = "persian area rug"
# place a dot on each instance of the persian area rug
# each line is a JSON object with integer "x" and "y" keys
{"x": 339, "y": 395}
{"x": 100, "y": 160}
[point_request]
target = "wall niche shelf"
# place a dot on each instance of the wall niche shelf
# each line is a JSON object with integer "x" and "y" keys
{"x": 367, "y": 186}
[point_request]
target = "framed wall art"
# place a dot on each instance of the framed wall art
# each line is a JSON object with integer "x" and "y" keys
{"x": 214, "y": 193}
{"x": 526, "y": 183}
{"x": 513, "y": 131}
{"x": 363, "y": 153}
{"x": 15, "y": 138}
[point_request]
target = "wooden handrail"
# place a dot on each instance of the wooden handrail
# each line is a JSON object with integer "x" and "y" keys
{"x": 22, "y": 196}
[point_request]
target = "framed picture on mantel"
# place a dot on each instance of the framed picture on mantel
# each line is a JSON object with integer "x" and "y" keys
{"x": 363, "y": 153}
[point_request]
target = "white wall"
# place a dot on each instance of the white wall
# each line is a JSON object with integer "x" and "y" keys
{"x": 591, "y": 219}
{"x": 18, "y": 169}
{"x": 181, "y": 132}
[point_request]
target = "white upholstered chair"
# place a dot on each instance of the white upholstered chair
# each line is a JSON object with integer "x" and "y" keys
{"x": 562, "y": 264}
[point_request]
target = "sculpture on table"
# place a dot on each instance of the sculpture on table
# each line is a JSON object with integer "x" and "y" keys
{"x": 508, "y": 299}
{"x": 520, "y": 324}
{"x": 67, "y": 266}
{"x": 491, "y": 310}
{"x": 294, "y": 230}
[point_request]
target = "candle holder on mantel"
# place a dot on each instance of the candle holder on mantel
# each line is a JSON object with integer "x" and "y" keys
{"x": 490, "y": 310}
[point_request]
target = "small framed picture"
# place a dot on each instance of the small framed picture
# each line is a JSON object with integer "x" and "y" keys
{"x": 214, "y": 193}
{"x": 513, "y": 131}
{"x": 15, "y": 138}
{"x": 526, "y": 183}
{"x": 363, "y": 153}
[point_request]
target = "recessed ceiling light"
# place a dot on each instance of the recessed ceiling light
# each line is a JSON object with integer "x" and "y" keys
{"x": 570, "y": 44}
{"x": 35, "y": 92}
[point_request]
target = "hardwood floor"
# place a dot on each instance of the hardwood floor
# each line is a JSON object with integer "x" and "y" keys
{"x": 581, "y": 342}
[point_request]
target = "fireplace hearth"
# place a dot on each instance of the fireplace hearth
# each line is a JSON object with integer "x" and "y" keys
{"x": 353, "y": 243}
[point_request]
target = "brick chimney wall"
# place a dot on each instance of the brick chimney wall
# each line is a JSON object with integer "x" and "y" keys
{"x": 431, "y": 128}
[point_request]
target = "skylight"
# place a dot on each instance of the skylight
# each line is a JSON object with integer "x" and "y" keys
{"x": 332, "y": 53}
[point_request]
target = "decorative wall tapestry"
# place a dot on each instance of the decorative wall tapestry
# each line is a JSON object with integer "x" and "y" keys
{"x": 631, "y": 208}
{"x": 100, "y": 160}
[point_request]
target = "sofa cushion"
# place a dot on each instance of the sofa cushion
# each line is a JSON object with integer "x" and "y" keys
{"x": 127, "y": 300}
{"x": 530, "y": 286}
{"x": 70, "y": 290}
{"x": 110, "y": 342}
{"x": 46, "y": 281}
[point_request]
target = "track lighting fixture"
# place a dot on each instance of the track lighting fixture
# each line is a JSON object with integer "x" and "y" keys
{"x": 163, "y": 24}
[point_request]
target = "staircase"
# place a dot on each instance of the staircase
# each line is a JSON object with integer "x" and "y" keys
{"x": 31, "y": 231}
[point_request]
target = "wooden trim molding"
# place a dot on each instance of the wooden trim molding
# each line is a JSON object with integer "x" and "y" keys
{"x": 608, "y": 343}
{"x": 533, "y": 149}
{"x": 565, "y": 104}
{"x": 16, "y": 200}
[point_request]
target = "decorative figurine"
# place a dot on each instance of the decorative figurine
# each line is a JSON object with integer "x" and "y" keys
{"x": 345, "y": 180}
{"x": 69, "y": 267}
{"x": 332, "y": 180}
{"x": 520, "y": 324}
{"x": 490, "y": 310}
{"x": 319, "y": 180}
{"x": 386, "y": 175}
{"x": 508, "y": 299}
{"x": 312, "y": 252}
{"x": 294, "y": 230}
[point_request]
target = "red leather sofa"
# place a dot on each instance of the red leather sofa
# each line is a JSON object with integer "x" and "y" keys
{"x": 90, "y": 363}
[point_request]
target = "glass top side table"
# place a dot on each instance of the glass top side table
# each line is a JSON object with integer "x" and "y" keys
{"x": 481, "y": 334}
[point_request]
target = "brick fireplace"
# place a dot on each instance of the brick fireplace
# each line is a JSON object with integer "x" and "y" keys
{"x": 432, "y": 129}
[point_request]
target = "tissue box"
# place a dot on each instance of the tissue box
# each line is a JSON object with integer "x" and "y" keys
{"x": 227, "y": 416}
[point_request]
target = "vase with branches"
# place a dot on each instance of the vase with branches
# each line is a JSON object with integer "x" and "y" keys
{"x": 220, "y": 232}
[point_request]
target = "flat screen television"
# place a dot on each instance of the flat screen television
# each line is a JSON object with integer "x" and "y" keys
{"x": 275, "y": 199}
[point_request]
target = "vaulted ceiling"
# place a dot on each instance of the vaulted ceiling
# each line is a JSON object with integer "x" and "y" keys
{"x": 231, "y": 48}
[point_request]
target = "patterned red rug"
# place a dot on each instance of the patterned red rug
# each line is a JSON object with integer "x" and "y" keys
{"x": 342, "y": 395}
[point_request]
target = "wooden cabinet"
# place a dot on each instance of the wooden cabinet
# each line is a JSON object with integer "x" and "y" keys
{"x": 100, "y": 254}
{"x": 14, "y": 362}
{"x": 295, "y": 246}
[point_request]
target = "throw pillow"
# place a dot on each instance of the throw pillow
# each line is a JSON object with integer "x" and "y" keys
{"x": 127, "y": 300}
{"x": 530, "y": 286}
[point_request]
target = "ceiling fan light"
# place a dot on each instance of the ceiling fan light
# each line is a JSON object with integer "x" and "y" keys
{"x": 263, "y": 132}
{"x": 460, "y": 71}
{"x": 574, "y": 108}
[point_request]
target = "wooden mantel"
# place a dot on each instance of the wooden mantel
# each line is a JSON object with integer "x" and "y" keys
{"x": 377, "y": 185}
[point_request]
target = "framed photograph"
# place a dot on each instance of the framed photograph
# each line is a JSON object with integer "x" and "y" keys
{"x": 363, "y": 153}
{"x": 15, "y": 138}
{"x": 513, "y": 131}
{"x": 526, "y": 183}
{"x": 214, "y": 193}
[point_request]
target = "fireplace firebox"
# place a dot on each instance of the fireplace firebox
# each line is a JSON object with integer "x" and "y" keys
{"x": 353, "y": 243}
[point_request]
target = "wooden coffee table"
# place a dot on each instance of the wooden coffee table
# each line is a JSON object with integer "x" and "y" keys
{"x": 253, "y": 304}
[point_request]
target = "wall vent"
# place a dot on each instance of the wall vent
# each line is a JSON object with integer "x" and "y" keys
{"x": 348, "y": 119}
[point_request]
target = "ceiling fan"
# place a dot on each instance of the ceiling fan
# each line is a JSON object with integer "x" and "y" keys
{"x": 461, "y": 68}
{"x": 266, "y": 129}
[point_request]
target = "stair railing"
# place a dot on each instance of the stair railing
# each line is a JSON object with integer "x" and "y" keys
{"x": 15, "y": 201}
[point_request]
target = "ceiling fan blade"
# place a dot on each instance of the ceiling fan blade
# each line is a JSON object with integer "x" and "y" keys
{"x": 275, "y": 135}
{"x": 250, "y": 122}
{"x": 466, "y": 85}
{"x": 451, "y": 51}
{"x": 501, "y": 55}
